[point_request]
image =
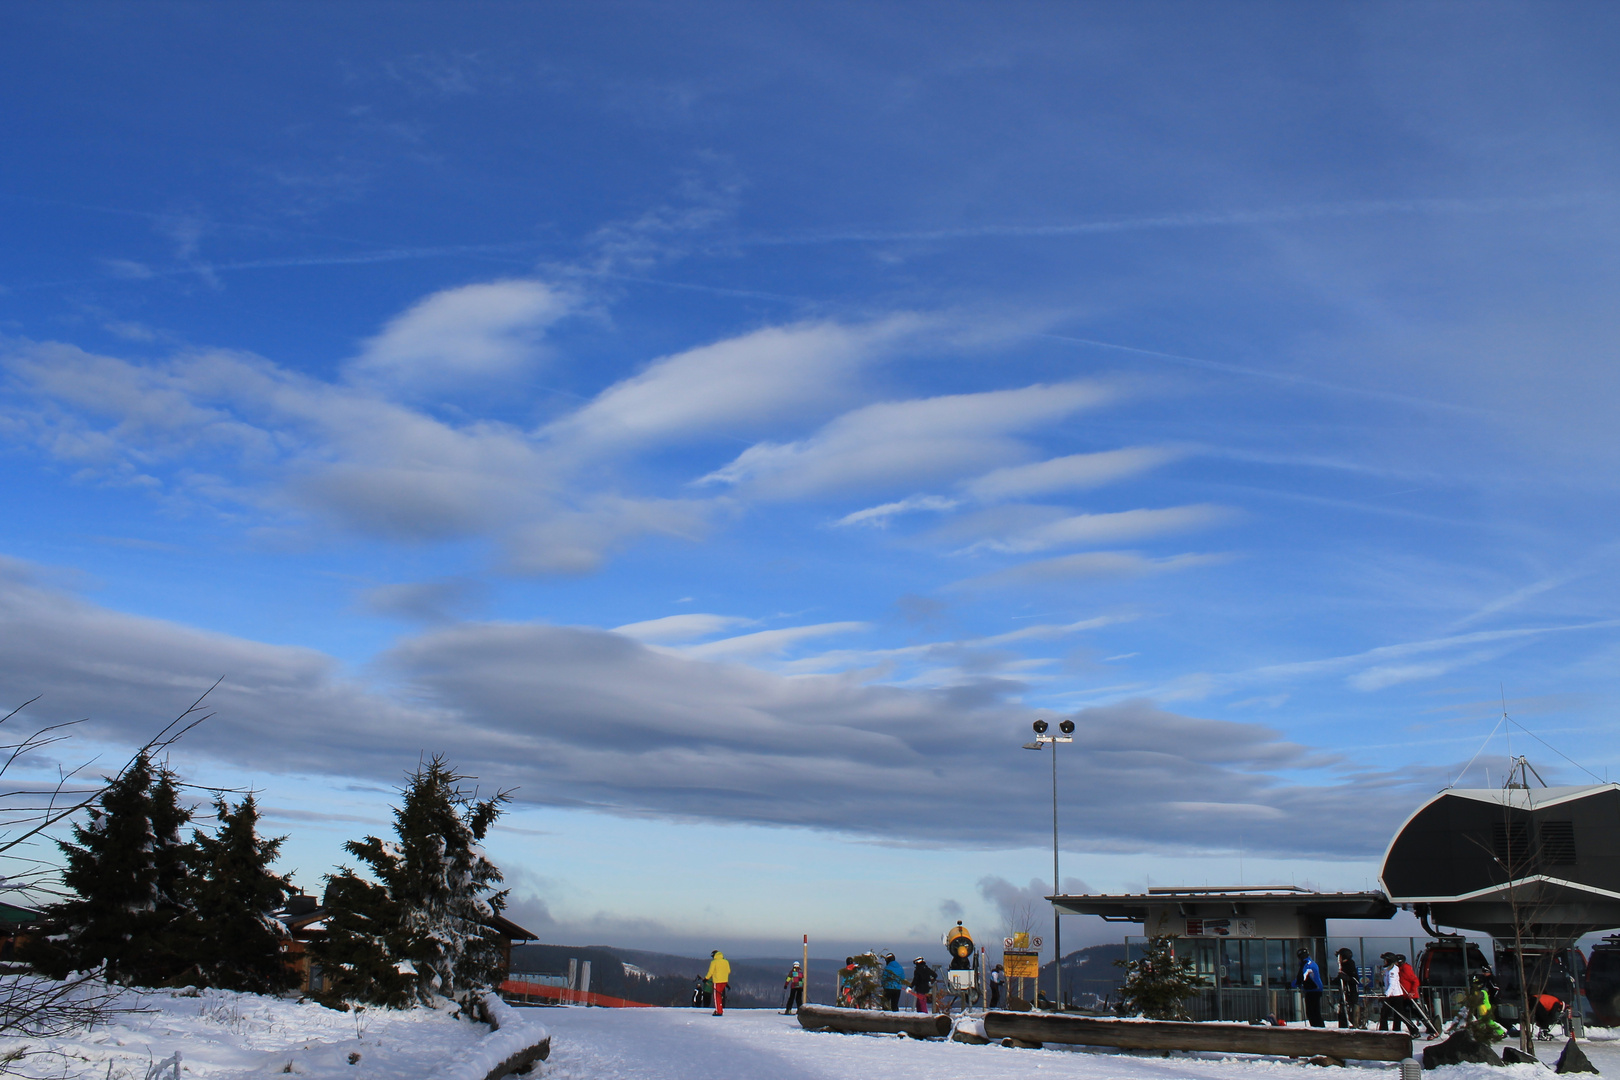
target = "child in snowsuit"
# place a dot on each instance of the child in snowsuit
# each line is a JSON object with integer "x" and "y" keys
{"x": 795, "y": 990}
{"x": 846, "y": 983}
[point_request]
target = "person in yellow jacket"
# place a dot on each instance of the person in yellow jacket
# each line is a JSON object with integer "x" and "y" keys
{"x": 719, "y": 974}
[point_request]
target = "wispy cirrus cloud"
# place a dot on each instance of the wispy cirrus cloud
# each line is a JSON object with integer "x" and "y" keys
{"x": 1102, "y": 565}
{"x": 1074, "y": 472}
{"x": 1025, "y": 529}
{"x": 878, "y": 517}
{"x": 906, "y": 442}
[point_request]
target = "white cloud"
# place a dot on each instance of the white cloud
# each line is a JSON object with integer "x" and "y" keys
{"x": 731, "y": 386}
{"x": 920, "y": 440}
{"x": 678, "y": 628}
{"x": 1084, "y": 529}
{"x": 878, "y": 516}
{"x": 577, "y": 541}
{"x": 1072, "y": 473}
{"x": 474, "y": 332}
{"x": 768, "y": 642}
{"x": 531, "y": 706}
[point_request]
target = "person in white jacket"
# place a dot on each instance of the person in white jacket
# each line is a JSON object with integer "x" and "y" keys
{"x": 1396, "y": 1004}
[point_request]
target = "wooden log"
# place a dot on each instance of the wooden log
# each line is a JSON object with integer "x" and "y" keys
{"x": 1217, "y": 1037}
{"x": 917, "y": 1025}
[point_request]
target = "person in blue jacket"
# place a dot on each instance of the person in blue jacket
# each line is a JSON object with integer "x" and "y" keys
{"x": 894, "y": 980}
{"x": 1311, "y": 986}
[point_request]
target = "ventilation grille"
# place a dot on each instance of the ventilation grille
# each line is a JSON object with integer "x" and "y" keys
{"x": 1511, "y": 840}
{"x": 1558, "y": 843}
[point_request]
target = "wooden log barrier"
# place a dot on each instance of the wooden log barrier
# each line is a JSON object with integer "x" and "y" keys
{"x": 917, "y": 1025}
{"x": 1182, "y": 1035}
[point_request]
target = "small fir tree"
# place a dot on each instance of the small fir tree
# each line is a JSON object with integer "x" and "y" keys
{"x": 438, "y": 887}
{"x": 128, "y": 870}
{"x": 237, "y": 938}
{"x": 356, "y": 956}
{"x": 866, "y": 981}
{"x": 1158, "y": 983}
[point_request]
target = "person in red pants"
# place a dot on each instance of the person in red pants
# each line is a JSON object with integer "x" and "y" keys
{"x": 719, "y": 974}
{"x": 922, "y": 983}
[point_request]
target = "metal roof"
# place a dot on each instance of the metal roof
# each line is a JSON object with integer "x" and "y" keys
{"x": 1133, "y": 907}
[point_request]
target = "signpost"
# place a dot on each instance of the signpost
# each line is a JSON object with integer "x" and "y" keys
{"x": 1021, "y": 957}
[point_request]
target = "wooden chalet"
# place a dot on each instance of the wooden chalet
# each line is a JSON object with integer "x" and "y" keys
{"x": 305, "y": 920}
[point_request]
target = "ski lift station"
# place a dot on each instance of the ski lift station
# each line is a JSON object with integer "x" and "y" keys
{"x": 1473, "y": 858}
{"x": 1542, "y": 864}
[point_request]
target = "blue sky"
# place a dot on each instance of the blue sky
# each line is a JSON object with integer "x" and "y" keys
{"x": 731, "y": 425}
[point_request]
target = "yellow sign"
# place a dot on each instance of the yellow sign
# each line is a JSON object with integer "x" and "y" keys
{"x": 1021, "y": 965}
{"x": 1020, "y": 940}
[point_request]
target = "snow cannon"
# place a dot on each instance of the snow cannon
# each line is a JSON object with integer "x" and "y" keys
{"x": 959, "y": 943}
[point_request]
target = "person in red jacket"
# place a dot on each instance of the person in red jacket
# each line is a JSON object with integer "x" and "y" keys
{"x": 1550, "y": 1010}
{"x": 1410, "y": 987}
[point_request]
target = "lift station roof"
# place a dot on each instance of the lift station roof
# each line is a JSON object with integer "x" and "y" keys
{"x": 1484, "y": 859}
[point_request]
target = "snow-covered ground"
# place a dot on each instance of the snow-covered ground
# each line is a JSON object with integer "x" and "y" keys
{"x": 225, "y": 1036}
{"x": 688, "y": 1044}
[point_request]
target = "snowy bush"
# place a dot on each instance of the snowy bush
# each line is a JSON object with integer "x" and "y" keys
{"x": 1158, "y": 983}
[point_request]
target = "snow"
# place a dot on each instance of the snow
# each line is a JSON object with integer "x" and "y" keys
{"x": 689, "y": 1044}
{"x": 229, "y": 1036}
{"x": 517, "y": 1030}
{"x": 225, "y": 1036}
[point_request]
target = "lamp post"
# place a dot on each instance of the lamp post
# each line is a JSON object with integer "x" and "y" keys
{"x": 1040, "y": 743}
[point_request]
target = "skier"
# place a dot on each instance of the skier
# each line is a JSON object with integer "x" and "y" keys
{"x": 922, "y": 983}
{"x": 1309, "y": 983}
{"x": 997, "y": 978}
{"x": 1550, "y": 1010}
{"x": 1397, "y": 1005}
{"x": 894, "y": 980}
{"x": 1410, "y": 986}
{"x": 794, "y": 983}
{"x": 700, "y": 993}
{"x": 846, "y": 983}
{"x": 1349, "y": 980}
{"x": 720, "y": 973}
{"x": 1482, "y": 1002}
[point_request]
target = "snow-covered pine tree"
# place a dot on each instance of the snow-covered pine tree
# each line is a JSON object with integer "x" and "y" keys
{"x": 236, "y": 942}
{"x": 127, "y": 868}
{"x": 1158, "y": 983}
{"x": 356, "y": 958}
{"x": 867, "y": 981}
{"x": 441, "y": 881}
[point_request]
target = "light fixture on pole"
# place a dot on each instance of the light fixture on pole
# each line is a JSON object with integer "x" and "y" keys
{"x": 1041, "y": 740}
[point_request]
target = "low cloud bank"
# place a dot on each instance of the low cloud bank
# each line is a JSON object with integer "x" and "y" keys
{"x": 591, "y": 718}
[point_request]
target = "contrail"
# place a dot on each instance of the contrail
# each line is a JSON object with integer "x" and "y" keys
{"x": 1221, "y": 219}
{"x": 1273, "y": 376}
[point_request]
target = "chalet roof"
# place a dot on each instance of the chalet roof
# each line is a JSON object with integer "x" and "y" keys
{"x": 1134, "y": 907}
{"x": 303, "y": 917}
{"x": 12, "y": 915}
